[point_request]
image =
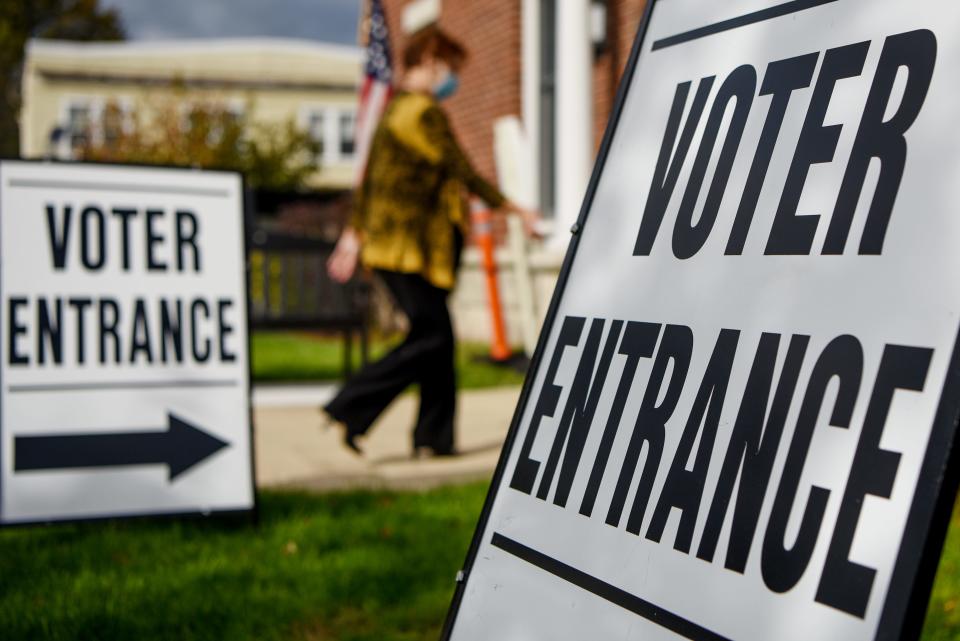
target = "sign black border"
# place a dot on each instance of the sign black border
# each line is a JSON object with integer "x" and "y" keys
{"x": 251, "y": 514}
{"x": 905, "y": 606}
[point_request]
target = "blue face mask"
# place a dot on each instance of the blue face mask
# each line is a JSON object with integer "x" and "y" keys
{"x": 446, "y": 87}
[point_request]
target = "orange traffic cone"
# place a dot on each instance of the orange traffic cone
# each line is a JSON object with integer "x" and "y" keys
{"x": 483, "y": 234}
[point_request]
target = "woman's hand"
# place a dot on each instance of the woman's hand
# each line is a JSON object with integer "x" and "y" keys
{"x": 532, "y": 220}
{"x": 343, "y": 261}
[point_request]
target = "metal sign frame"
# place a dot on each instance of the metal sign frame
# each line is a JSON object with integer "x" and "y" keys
{"x": 904, "y": 609}
{"x": 251, "y": 514}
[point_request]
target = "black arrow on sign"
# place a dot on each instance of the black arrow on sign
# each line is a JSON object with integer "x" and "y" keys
{"x": 180, "y": 447}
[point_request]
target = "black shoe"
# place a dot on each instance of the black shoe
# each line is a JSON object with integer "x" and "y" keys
{"x": 425, "y": 451}
{"x": 421, "y": 452}
{"x": 350, "y": 441}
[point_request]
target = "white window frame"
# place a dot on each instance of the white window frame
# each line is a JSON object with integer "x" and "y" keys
{"x": 304, "y": 121}
{"x": 332, "y": 113}
{"x": 95, "y": 105}
{"x": 341, "y": 114}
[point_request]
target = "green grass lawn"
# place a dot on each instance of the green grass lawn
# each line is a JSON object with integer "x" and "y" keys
{"x": 943, "y": 615}
{"x": 301, "y": 356}
{"x": 352, "y": 566}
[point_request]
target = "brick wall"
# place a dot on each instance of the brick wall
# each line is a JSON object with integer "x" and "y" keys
{"x": 628, "y": 14}
{"x": 490, "y": 82}
{"x": 623, "y": 18}
{"x": 491, "y": 31}
{"x": 491, "y": 88}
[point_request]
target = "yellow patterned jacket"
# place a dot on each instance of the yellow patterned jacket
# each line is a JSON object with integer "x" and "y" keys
{"x": 411, "y": 199}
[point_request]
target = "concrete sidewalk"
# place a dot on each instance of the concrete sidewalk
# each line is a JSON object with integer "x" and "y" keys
{"x": 293, "y": 449}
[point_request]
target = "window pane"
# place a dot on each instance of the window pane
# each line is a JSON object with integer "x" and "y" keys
{"x": 79, "y": 125}
{"x": 113, "y": 117}
{"x": 315, "y": 125}
{"x": 348, "y": 126}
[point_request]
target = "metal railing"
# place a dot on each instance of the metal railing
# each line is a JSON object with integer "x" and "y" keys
{"x": 290, "y": 289}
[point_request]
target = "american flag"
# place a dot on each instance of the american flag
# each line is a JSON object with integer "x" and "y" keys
{"x": 377, "y": 83}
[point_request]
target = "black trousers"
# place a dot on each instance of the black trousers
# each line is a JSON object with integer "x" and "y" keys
{"x": 424, "y": 357}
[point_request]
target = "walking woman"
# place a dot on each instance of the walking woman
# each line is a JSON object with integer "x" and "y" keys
{"x": 408, "y": 226}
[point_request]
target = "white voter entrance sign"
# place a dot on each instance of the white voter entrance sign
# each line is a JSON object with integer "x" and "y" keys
{"x": 124, "y": 386}
{"x": 740, "y": 420}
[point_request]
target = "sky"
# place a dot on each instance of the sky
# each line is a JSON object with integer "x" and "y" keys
{"x": 325, "y": 20}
